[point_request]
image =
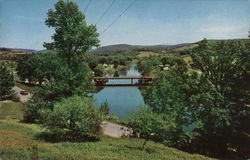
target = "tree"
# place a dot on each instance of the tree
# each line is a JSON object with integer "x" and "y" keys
{"x": 6, "y": 81}
{"x": 72, "y": 37}
{"x": 151, "y": 126}
{"x": 73, "y": 118}
{"x": 166, "y": 96}
{"x": 147, "y": 65}
{"x": 67, "y": 73}
{"x": 220, "y": 98}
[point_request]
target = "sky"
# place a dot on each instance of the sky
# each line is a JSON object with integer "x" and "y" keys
{"x": 146, "y": 22}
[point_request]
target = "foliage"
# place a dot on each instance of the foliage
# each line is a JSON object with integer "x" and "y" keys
{"x": 99, "y": 70}
{"x": 6, "y": 81}
{"x": 172, "y": 60}
{"x": 104, "y": 108}
{"x": 25, "y": 65}
{"x": 214, "y": 95}
{"x": 38, "y": 67}
{"x": 167, "y": 96}
{"x": 151, "y": 126}
{"x": 72, "y": 36}
{"x": 147, "y": 65}
{"x": 220, "y": 98}
{"x": 73, "y": 118}
{"x": 64, "y": 72}
{"x": 32, "y": 88}
{"x": 32, "y": 109}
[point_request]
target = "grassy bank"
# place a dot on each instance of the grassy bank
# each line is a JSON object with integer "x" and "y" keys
{"x": 21, "y": 141}
{"x": 11, "y": 110}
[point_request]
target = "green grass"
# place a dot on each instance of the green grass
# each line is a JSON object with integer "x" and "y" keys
{"x": 18, "y": 141}
{"x": 11, "y": 110}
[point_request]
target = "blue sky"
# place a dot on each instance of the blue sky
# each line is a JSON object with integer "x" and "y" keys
{"x": 147, "y": 22}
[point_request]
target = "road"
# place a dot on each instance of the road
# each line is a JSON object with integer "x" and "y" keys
{"x": 22, "y": 98}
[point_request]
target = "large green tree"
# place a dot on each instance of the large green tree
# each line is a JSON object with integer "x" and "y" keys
{"x": 72, "y": 36}
{"x": 67, "y": 73}
{"x": 167, "y": 96}
{"x": 220, "y": 98}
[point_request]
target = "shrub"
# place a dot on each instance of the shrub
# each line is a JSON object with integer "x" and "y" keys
{"x": 73, "y": 118}
{"x": 104, "y": 108}
{"x": 32, "y": 109}
{"x": 152, "y": 126}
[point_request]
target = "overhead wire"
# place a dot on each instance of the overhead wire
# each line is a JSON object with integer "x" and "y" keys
{"x": 105, "y": 12}
{"x": 87, "y": 6}
{"x": 117, "y": 17}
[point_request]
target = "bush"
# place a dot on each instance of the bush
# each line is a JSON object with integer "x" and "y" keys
{"x": 73, "y": 119}
{"x": 32, "y": 109}
{"x": 104, "y": 108}
{"x": 152, "y": 126}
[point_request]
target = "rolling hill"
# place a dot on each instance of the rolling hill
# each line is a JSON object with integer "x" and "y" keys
{"x": 121, "y": 49}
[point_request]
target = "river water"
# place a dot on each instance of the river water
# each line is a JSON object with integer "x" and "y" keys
{"x": 122, "y": 100}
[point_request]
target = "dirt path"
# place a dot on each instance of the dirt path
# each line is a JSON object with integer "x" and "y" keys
{"x": 115, "y": 130}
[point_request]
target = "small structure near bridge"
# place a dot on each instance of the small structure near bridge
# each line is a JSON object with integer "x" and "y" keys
{"x": 140, "y": 81}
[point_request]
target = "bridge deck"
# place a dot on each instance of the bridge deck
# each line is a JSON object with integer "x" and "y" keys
{"x": 143, "y": 81}
{"x": 121, "y": 85}
{"x": 122, "y": 78}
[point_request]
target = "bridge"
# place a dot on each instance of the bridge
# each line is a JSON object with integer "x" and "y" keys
{"x": 134, "y": 81}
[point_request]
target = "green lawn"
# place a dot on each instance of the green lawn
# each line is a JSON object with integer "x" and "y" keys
{"x": 20, "y": 141}
{"x": 11, "y": 110}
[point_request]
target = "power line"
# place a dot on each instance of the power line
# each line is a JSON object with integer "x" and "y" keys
{"x": 111, "y": 4}
{"x": 118, "y": 17}
{"x": 87, "y": 6}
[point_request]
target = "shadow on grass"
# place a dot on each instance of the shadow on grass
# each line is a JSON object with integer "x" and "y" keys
{"x": 53, "y": 138}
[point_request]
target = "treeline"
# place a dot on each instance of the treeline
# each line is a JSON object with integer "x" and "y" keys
{"x": 153, "y": 65}
{"x": 98, "y": 63}
{"x": 203, "y": 109}
{"x": 7, "y": 80}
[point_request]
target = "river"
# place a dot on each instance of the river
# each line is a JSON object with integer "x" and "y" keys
{"x": 122, "y": 100}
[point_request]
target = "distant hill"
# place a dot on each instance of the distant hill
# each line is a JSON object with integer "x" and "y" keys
{"x": 13, "y": 54}
{"x": 17, "y": 50}
{"x": 122, "y": 49}
{"x": 220, "y": 40}
{"x": 117, "y": 49}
